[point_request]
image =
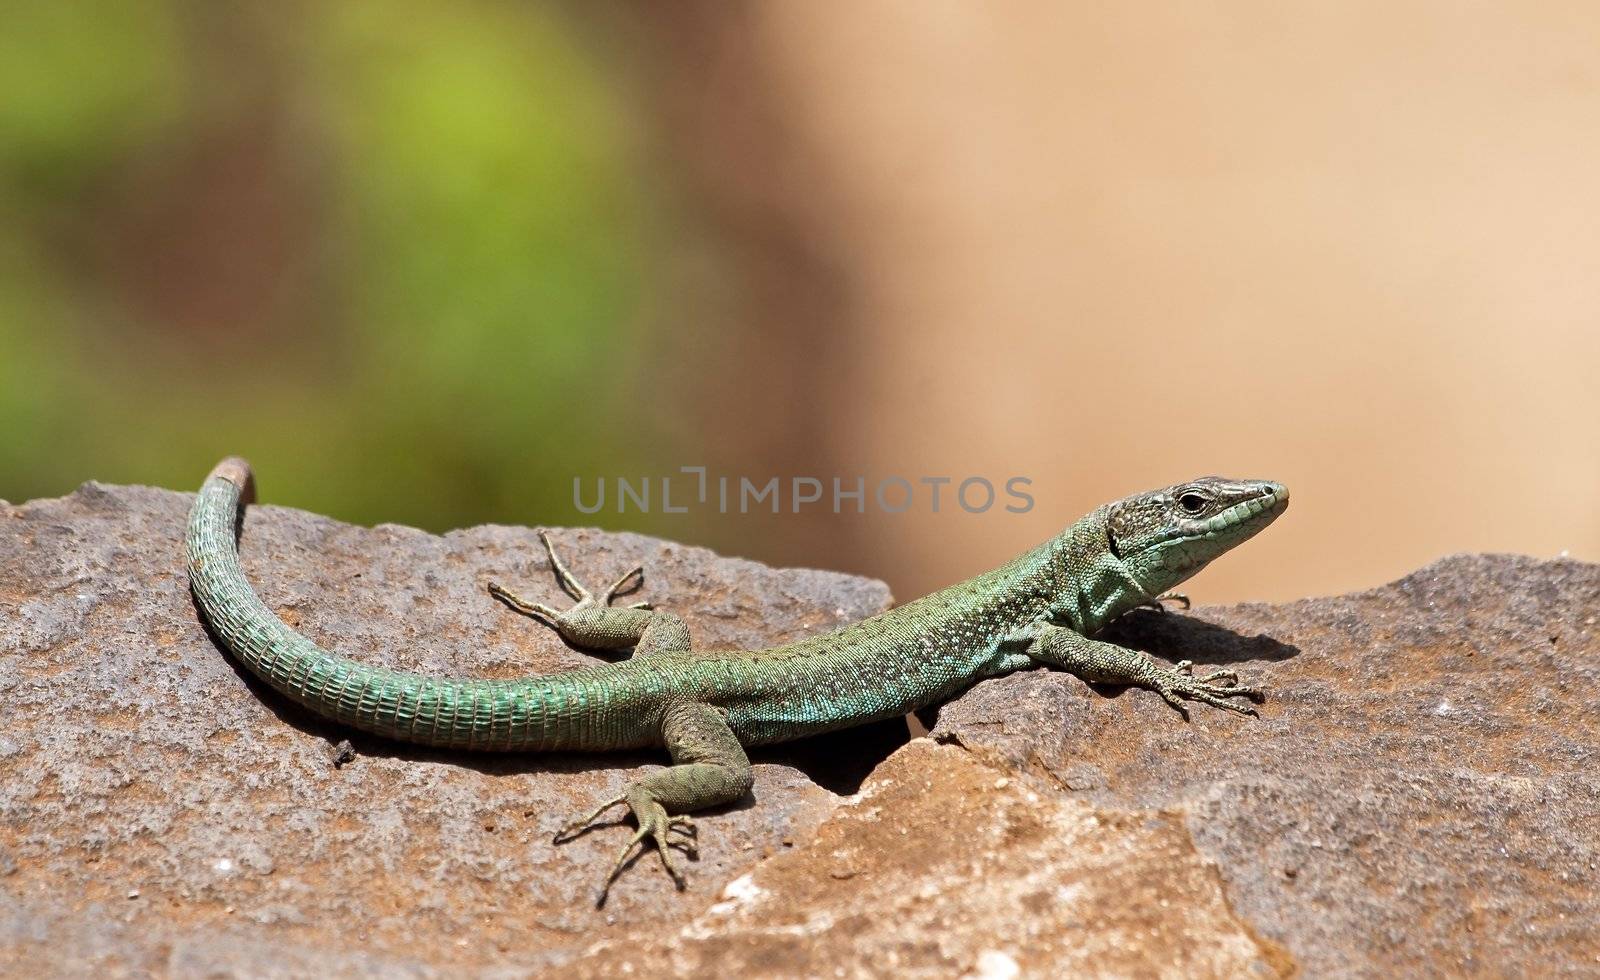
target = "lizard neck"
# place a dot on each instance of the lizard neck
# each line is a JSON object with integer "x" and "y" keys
{"x": 1092, "y": 586}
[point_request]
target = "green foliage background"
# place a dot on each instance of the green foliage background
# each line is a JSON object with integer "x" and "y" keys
{"x": 393, "y": 253}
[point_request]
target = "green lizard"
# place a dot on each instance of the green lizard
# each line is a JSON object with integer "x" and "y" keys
{"x": 707, "y": 707}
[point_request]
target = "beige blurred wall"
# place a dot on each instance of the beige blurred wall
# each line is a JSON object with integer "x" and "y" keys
{"x": 1353, "y": 247}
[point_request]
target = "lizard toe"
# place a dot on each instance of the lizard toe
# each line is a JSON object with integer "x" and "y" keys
{"x": 578, "y": 828}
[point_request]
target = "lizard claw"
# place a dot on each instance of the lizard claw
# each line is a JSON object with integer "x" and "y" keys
{"x": 654, "y": 825}
{"x": 1226, "y": 677}
{"x": 630, "y": 581}
{"x": 538, "y": 610}
{"x": 578, "y": 828}
{"x": 569, "y": 582}
{"x": 1179, "y": 683}
{"x": 1176, "y": 598}
{"x": 685, "y": 826}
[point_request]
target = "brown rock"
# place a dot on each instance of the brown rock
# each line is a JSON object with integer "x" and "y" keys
{"x": 942, "y": 867}
{"x": 1418, "y": 798}
{"x": 1420, "y": 795}
{"x": 159, "y": 812}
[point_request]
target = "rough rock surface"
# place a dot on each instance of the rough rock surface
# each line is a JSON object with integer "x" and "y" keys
{"x": 940, "y": 867}
{"x": 1421, "y": 795}
{"x": 159, "y": 812}
{"x": 1418, "y": 798}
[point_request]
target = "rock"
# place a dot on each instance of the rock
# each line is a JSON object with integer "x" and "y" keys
{"x": 1418, "y": 798}
{"x": 1420, "y": 795}
{"x": 938, "y": 868}
{"x": 162, "y": 813}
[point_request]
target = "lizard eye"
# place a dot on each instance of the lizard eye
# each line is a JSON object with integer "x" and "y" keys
{"x": 1192, "y": 503}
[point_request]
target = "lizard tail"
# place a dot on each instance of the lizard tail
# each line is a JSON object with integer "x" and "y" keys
{"x": 539, "y": 713}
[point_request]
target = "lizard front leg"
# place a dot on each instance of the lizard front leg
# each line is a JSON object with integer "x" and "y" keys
{"x": 592, "y": 622}
{"x": 709, "y": 768}
{"x": 1107, "y": 663}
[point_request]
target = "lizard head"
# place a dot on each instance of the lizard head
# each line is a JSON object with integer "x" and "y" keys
{"x": 1165, "y": 536}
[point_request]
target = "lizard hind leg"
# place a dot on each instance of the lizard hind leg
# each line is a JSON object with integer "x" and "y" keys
{"x": 592, "y": 621}
{"x": 709, "y": 768}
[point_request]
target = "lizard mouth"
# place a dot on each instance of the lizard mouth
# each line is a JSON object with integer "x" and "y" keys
{"x": 1246, "y": 516}
{"x": 1273, "y": 500}
{"x": 1193, "y": 522}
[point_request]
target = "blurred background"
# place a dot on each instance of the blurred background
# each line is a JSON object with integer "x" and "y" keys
{"x": 428, "y": 262}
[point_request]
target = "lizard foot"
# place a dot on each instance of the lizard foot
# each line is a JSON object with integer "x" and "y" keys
{"x": 1179, "y": 682}
{"x": 1176, "y": 598}
{"x": 630, "y": 581}
{"x": 654, "y": 824}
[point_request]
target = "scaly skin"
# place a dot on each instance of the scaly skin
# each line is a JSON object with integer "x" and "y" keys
{"x": 705, "y": 707}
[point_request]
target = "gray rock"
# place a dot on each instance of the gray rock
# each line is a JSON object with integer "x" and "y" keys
{"x": 1418, "y": 798}
{"x": 1420, "y": 795}
{"x": 161, "y": 812}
